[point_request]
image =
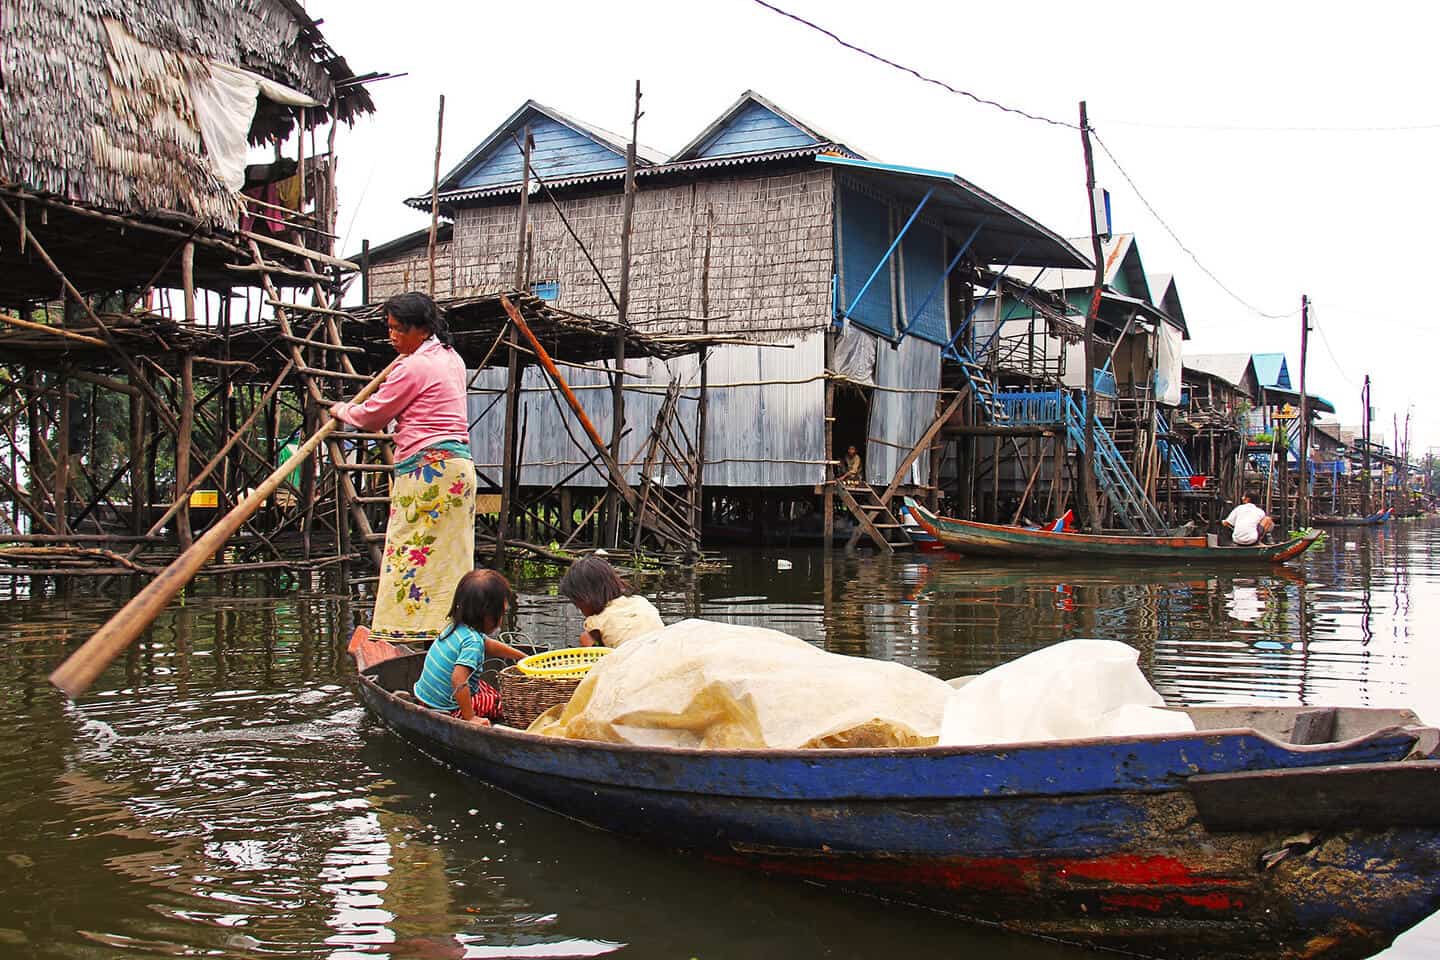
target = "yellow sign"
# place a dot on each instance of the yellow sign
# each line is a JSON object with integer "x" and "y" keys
{"x": 1286, "y": 412}
{"x": 205, "y": 498}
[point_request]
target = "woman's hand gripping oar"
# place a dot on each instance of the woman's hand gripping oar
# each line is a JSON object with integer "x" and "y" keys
{"x": 80, "y": 669}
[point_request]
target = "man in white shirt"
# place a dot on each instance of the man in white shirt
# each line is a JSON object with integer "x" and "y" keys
{"x": 1248, "y": 523}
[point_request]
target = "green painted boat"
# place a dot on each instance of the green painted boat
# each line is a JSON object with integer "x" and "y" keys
{"x": 995, "y": 540}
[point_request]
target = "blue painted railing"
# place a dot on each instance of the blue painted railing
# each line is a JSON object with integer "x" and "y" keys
{"x": 1105, "y": 383}
{"x": 1033, "y": 407}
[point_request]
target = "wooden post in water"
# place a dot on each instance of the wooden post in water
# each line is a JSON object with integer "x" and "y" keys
{"x": 617, "y": 400}
{"x": 1365, "y": 449}
{"x": 1302, "y": 501}
{"x": 1088, "y": 495}
{"x": 509, "y": 454}
{"x": 62, "y": 453}
{"x": 702, "y": 411}
{"x": 80, "y": 669}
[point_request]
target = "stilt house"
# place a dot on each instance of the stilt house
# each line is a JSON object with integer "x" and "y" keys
{"x": 840, "y": 279}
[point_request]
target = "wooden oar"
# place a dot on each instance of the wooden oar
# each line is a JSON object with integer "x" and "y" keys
{"x": 80, "y": 669}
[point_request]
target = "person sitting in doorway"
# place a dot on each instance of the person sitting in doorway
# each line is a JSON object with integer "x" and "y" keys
{"x": 1247, "y": 523}
{"x": 854, "y": 469}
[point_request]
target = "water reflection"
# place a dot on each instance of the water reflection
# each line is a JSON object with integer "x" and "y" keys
{"x": 222, "y": 792}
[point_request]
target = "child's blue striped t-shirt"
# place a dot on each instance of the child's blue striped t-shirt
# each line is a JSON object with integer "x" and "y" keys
{"x": 456, "y": 645}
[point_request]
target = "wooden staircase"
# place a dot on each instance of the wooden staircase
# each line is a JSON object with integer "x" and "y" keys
{"x": 873, "y": 518}
{"x": 983, "y": 389}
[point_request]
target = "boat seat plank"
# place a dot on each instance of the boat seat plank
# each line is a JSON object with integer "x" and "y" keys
{"x": 1315, "y": 726}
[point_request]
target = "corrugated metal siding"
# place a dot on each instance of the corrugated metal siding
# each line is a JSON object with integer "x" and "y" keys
{"x": 752, "y": 130}
{"x": 922, "y": 259}
{"x": 746, "y": 424}
{"x": 865, "y": 235}
{"x": 559, "y": 152}
{"x": 900, "y": 418}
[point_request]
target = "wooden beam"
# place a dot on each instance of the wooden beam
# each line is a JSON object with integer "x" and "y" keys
{"x": 53, "y": 331}
{"x": 617, "y": 475}
{"x": 924, "y": 442}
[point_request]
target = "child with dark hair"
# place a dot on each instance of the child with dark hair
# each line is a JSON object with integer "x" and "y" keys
{"x": 450, "y": 679}
{"x": 612, "y": 610}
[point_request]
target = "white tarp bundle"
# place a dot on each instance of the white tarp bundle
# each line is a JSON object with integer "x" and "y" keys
{"x": 225, "y": 103}
{"x": 698, "y": 683}
{"x": 1168, "y": 346}
{"x": 1069, "y": 691}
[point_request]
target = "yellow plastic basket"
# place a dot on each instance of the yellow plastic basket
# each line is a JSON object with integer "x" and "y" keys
{"x": 561, "y": 664}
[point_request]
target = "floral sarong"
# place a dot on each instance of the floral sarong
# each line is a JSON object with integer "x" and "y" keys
{"x": 429, "y": 543}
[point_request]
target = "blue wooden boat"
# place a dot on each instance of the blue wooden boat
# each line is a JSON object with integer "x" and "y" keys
{"x": 1234, "y": 841}
{"x": 1372, "y": 520}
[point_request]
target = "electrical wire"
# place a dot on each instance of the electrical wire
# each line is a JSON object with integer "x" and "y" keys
{"x": 1333, "y": 359}
{"x": 913, "y": 72}
{"x": 1071, "y": 126}
{"x": 1243, "y": 128}
{"x": 1181, "y": 244}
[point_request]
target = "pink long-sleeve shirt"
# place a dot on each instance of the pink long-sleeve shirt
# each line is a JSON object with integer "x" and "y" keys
{"x": 424, "y": 395}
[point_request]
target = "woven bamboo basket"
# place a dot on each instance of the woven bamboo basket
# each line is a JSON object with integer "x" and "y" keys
{"x": 523, "y": 698}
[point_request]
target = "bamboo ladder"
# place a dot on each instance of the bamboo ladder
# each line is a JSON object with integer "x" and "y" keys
{"x": 667, "y": 514}
{"x": 346, "y": 450}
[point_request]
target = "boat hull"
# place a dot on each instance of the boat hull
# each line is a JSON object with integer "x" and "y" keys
{"x": 994, "y": 540}
{"x": 1094, "y": 842}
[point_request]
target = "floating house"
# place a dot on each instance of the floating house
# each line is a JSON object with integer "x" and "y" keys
{"x": 841, "y": 282}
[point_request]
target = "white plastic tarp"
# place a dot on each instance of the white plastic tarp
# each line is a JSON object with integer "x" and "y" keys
{"x": 225, "y": 103}
{"x": 698, "y": 683}
{"x": 1168, "y": 346}
{"x": 1068, "y": 691}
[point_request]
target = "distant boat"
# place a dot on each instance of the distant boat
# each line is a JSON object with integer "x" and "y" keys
{"x": 996, "y": 540}
{"x": 1373, "y": 520}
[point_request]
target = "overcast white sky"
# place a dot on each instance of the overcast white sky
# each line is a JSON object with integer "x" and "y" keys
{"x": 1344, "y": 215}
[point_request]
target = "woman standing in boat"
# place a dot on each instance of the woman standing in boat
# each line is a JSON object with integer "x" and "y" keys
{"x": 430, "y": 536}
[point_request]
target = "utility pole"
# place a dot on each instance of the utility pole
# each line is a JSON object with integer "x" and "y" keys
{"x": 1365, "y": 449}
{"x": 1302, "y": 503}
{"x": 1089, "y": 496}
{"x": 435, "y": 196}
{"x": 617, "y": 388}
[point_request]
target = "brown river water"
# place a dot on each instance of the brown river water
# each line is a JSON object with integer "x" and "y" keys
{"x": 221, "y": 793}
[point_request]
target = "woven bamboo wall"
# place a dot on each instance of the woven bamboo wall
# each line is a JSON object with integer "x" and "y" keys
{"x": 410, "y": 270}
{"x": 771, "y": 252}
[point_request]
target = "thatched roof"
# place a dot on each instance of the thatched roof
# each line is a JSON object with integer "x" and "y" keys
{"x": 100, "y": 104}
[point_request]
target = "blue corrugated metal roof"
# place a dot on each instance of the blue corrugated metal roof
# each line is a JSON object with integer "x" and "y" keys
{"x": 752, "y": 124}
{"x": 564, "y": 146}
{"x": 1007, "y": 236}
{"x": 1271, "y": 370}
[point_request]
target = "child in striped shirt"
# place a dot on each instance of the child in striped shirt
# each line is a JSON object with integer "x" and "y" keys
{"x": 450, "y": 679}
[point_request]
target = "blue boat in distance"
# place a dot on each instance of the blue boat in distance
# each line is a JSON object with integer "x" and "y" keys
{"x": 1270, "y": 832}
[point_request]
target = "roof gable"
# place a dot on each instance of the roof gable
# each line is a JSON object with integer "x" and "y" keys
{"x": 1271, "y": 370}
{"x": 564, "y": 147}
{"x": 1233, "y": 368}
{"x": 1123, "y": 269}
{"x": 751, "y": 124}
